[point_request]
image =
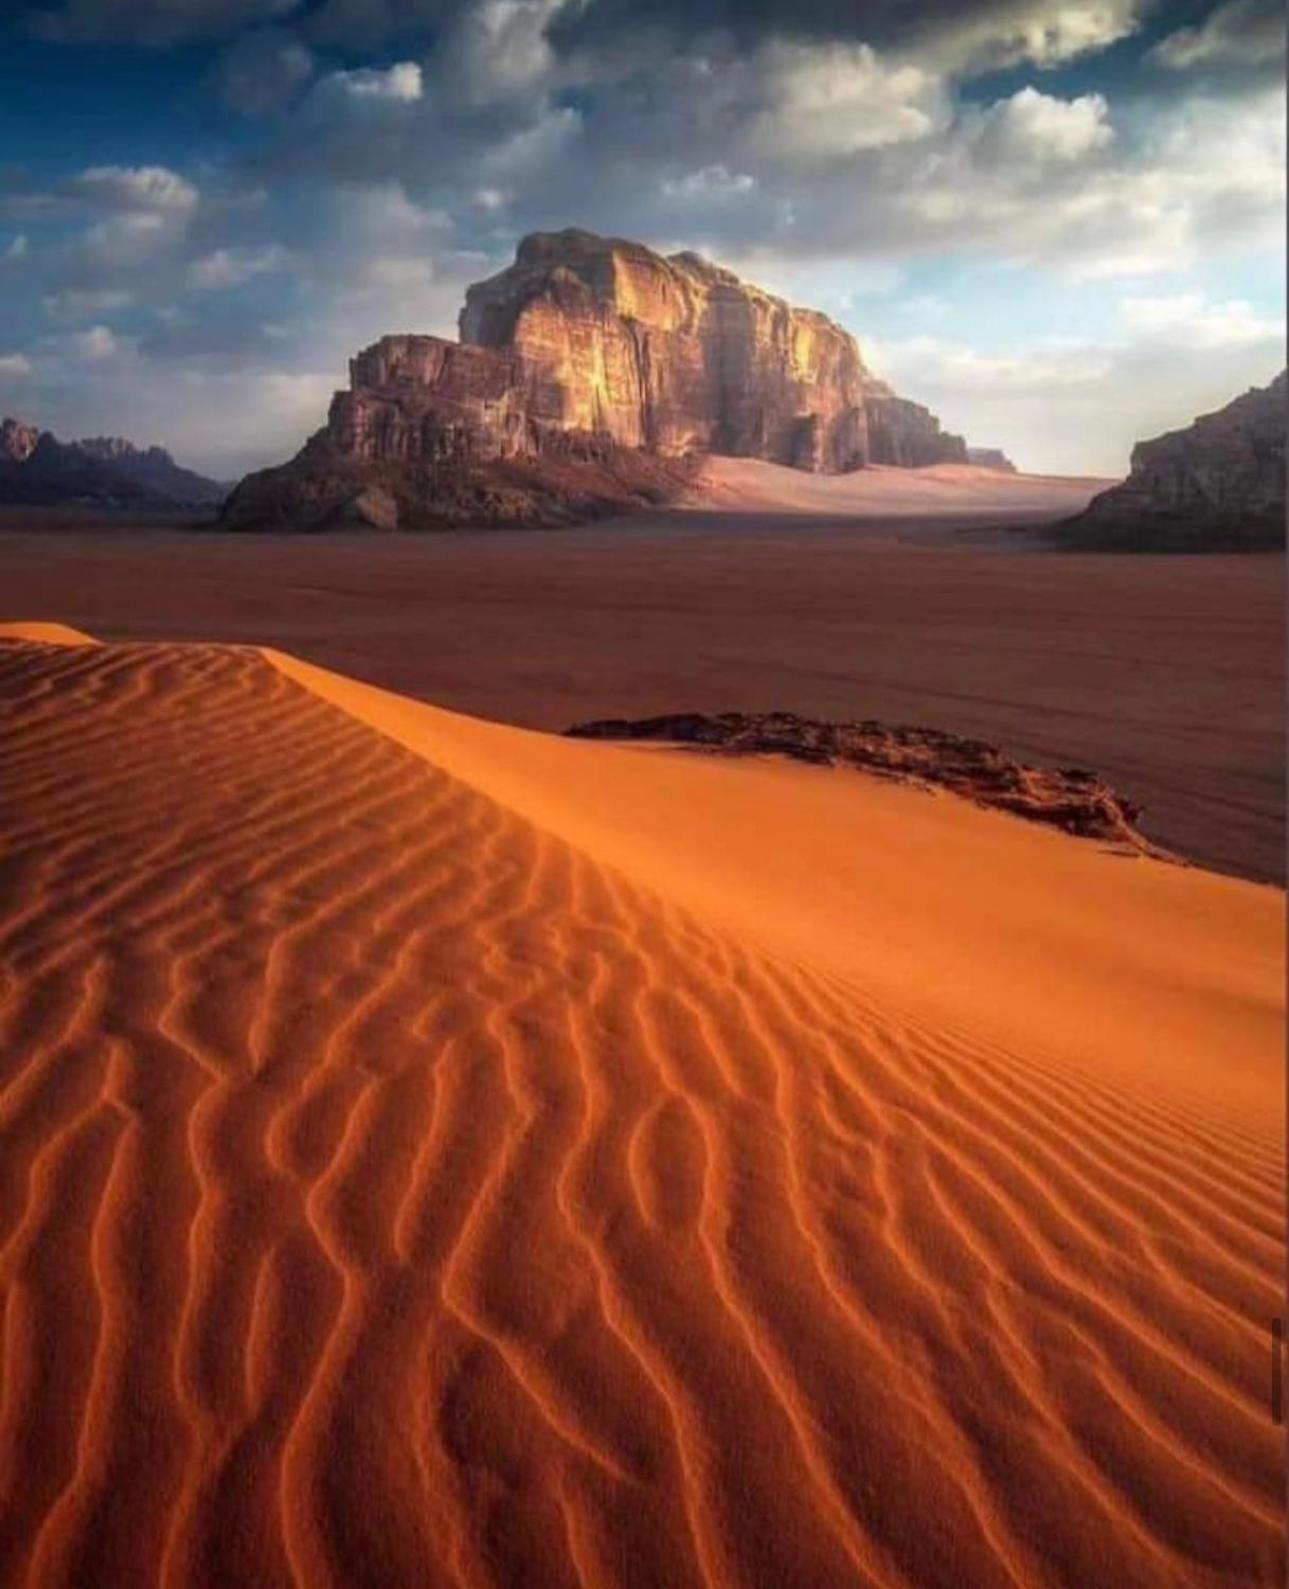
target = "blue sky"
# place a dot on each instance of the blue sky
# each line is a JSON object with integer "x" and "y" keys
{"x": 1059, "y": 225}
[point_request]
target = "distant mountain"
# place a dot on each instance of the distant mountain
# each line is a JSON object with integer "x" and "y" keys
{"x": 106, "y": 471}
{"x": 991, "y": 458}
{"x": 1217, "y": 485}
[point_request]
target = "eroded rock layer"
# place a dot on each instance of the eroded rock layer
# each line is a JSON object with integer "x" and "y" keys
{"x": 1070, "y": 798}
{"x": 1218, "y": 483}
{"x": 586, "y": 344}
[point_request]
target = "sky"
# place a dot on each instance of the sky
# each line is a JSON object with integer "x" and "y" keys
{"x": 1059, "y": 223}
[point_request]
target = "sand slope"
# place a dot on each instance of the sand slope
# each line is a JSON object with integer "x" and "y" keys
{"x": 432, "y": 1153}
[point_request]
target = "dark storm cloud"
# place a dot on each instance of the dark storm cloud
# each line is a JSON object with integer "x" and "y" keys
{"x": 988, "y": 32}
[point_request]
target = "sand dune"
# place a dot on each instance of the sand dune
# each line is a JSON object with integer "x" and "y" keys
{"x": 434, "y": 1153}
{"x": 955, "y": 490}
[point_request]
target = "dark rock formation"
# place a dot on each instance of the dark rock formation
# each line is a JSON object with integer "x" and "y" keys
{"x": 1068, "y": 798}
{"x": 17, "y": 441}
{"x": 587, "y": 350}
{"x": 1217, "y": 485}
{"x": 35, "y": 467}
{"x": 991, "y": 458}
{"x": 154, "y": 471}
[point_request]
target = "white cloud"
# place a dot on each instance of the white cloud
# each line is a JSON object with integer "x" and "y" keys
{"x": 228, "y": 268}
{"x": 1031, "y": 127}
{"x": 14, "y": 365}
{"x": 123, "y": 241}
{"x": 1242, "y": 33}
{"x": 918, "y": 362}
{"x": 97, "y": 344}
{"x": 1076, "y": 405}
{"x": 19, "y": 247}
{"x": 710, "y": 183}
{"x": 836, "y": 100}
{"x": 401, "y": 83}
{"x": 1189, "y": 319}
{"x": 1013, "y": 32}
{"x": 147, "y": 188}
{"x": 75, "y": 303}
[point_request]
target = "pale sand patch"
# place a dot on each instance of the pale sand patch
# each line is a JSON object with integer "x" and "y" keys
{"x": 749, "y": 485}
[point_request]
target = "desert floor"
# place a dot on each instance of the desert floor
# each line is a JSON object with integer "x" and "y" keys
{"x": 433, "y": 1152}
{"x": 1163, "y": 673}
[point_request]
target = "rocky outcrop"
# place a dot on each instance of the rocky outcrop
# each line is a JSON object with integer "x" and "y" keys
{"x": 1069, "y": 798}
{"x": 37, "y": 468}
{"x": 17, "y": 441}
{"x": 591, "y": 351}
{"x": 1217, "y": 485}
{"x": 991, "y": 458}
{"x": 154, "y": 471}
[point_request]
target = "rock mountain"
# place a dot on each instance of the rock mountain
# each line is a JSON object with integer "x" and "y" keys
{"x": 589, "y": 375}
{"x": 100, "y": 471}
{"x": 1220, "y": 483}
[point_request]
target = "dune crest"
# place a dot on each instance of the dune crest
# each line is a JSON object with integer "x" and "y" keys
{"x": 434, "y": 1153}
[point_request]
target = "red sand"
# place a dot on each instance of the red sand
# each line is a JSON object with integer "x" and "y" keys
{"x": 435, "y": 1153}
{"x": 1164, "y": 674}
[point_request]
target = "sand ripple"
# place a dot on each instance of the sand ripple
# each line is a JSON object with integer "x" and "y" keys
{"x": 393, "y": 1194}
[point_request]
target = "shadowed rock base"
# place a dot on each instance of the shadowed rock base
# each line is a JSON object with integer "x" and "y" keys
{"x": 1218, "y": 485}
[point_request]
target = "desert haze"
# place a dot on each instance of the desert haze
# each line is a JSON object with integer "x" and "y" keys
{"x": 438, "y": 1152}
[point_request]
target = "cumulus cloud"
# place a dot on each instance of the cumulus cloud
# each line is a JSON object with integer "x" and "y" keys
{"x": 1189, "y": 319}
{"x": 401, "y": 83}
{"x": 14, "y": 365}
{"x": 1241, "y": 33}
{"x": 1034, "y": 127}
{"x": 227, "y": 268}
{"x": 837, "y": 100}
{"x": 156, "y": 189}
{"x": 96, "y": 344}
{"x": 710, "y": 184}
{"x": 124, "y": 241}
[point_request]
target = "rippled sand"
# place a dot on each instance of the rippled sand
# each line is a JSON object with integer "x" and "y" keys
{"x": 436, "y": 1153}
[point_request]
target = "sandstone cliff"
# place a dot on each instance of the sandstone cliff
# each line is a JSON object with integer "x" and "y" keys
{"x": 1220, "y": 483}
{"x": 611, "y": 362}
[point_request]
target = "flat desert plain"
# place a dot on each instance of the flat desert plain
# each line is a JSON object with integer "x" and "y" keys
{"x": 891, "y": 595}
